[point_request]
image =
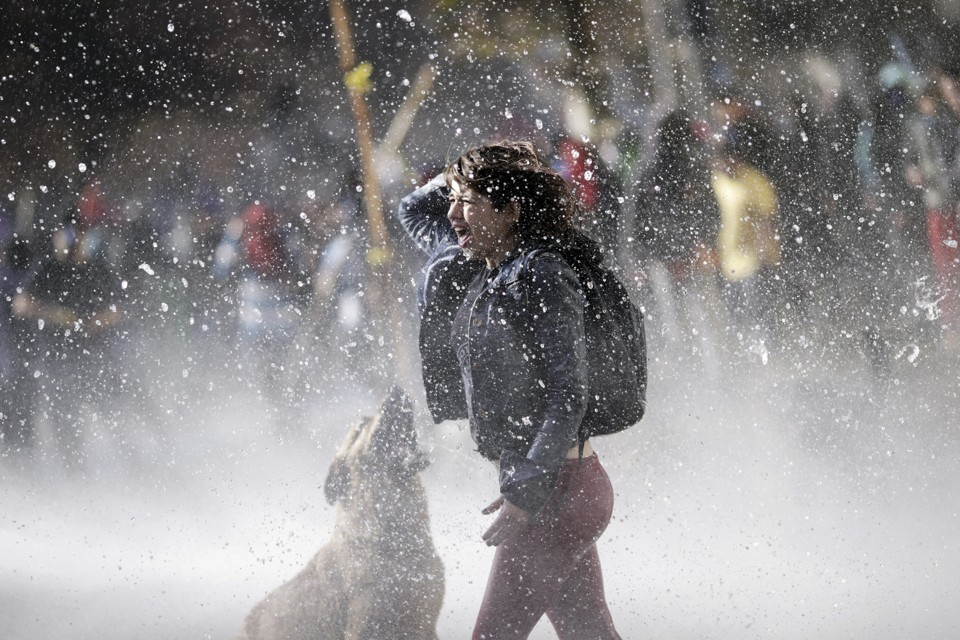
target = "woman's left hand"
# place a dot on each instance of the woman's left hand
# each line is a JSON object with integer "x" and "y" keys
{"x": 511, "y": 521}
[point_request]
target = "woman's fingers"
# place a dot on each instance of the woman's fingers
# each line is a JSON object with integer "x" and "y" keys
{"x": 502, "y": 530}
{"x": 511, "y": 521}
{"x": 493, "y": 506}
{"x": 491, "y": 534}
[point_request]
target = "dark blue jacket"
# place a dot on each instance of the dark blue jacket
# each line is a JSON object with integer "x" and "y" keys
{"x": 522, "y": 377}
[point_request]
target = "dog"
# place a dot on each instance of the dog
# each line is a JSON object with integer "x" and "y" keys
{"x": 379, "y": 576}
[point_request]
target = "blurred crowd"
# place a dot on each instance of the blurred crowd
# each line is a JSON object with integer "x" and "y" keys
{"x": 126, "y": 291}
{"x": 833, "y": 224}
{"x": 743, "y": 234}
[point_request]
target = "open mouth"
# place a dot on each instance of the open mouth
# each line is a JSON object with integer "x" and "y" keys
{"x": 463, "y": 236}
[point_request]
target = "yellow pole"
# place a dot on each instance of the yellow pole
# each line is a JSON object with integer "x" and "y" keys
{"x": 357, "y": 80}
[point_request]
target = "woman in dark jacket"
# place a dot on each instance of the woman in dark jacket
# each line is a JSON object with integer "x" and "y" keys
{"x": 501, "y": 302}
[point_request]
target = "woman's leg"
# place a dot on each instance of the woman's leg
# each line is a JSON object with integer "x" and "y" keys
{"x": 530, "y": 572}
{"x": 580, "y": 611}
{"x": 518, "y": 590}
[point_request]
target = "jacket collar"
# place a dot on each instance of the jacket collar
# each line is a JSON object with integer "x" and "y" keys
{"x": 511, "y": 269}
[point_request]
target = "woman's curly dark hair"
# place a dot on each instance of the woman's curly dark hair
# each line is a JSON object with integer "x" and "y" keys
{"x": 510, "y": 171}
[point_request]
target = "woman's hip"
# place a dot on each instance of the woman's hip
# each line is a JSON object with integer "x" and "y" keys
{"x": 581, "y": 503}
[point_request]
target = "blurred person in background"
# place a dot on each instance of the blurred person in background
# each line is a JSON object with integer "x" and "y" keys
{"x": 892, "y": 178}
{"x": 856, "y": 236}
{"x": 597, "y": 188}
{"x": 677, "y": 221}
{"x": 75, "y": 301}
{"x": 208, "y": 298}
{"x": 256, "y": 254}
{"x": 935, "y": 128}
{"x": 17, "y": 350}
{"x": 810, "y": 255}
{"x": 892, "y": 236}
{"x": 340, "y": 270}
{"x": 332, "y": 334}
{"x": 748, "y": 247}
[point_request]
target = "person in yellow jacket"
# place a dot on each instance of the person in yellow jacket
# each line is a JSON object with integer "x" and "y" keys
{"x": 748, "y": 247}
{"x": 747, "y": 242}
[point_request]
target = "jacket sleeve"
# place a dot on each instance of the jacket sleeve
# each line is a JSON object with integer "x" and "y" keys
{"x": 423, "y": 215}
{"x": 555, "y": 329}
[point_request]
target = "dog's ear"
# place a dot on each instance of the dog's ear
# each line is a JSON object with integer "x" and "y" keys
{"x": 337, "y": 484}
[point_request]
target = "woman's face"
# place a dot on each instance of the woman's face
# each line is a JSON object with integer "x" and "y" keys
{"x": 482, "y": 232}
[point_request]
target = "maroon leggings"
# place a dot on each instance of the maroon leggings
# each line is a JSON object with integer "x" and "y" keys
{"x": 943, "y": 231}
{"x": 552, "y": 567}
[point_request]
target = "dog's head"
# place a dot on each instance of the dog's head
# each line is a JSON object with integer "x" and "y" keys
{"x": 378, "y": 449}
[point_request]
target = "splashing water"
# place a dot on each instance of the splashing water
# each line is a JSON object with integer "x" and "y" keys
{"x": 912, "y": 352}
{"x": 927, "y": 299}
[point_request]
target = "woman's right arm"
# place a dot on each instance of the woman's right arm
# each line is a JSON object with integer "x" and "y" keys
{"x": 423, "y": 215}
